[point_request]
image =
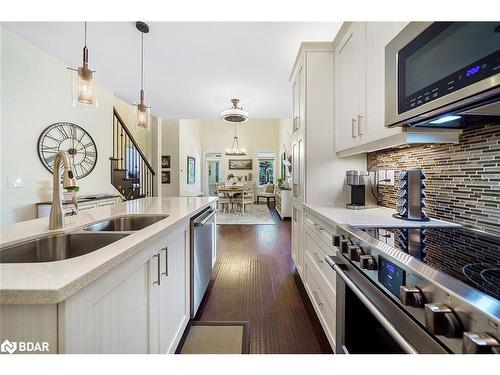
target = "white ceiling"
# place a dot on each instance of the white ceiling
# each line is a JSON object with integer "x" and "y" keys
{"x": 192, "y": 69}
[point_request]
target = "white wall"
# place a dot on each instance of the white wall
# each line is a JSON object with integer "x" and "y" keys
{"x": 190, "y": 144}
{"x": 39, "y": 94}
{"x": 170, "y": 146}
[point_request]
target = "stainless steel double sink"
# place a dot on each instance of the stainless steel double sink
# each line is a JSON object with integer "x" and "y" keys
{"x": 49, "y": 248}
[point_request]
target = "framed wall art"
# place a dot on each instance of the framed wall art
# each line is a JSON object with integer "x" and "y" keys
{"x": 240, "y": 164}
{"x": 165, "y": 161}
{"x": 165, "y": 177}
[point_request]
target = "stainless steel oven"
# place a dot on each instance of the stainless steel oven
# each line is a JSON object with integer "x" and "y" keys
{"x": 443, "y": 74}
{"x": 369, "y": 322}
{"x": 391, "y": 298}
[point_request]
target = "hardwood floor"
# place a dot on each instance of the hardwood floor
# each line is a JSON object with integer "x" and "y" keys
{"x": 254, "y": 280}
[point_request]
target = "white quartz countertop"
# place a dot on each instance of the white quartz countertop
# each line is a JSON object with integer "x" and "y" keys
{"x": 371, "y": 217}
{"x": 52, "y": 282}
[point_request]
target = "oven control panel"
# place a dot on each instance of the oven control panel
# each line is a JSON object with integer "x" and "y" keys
{"x": 454, "y": 322}
{"x": 390, "y": 275}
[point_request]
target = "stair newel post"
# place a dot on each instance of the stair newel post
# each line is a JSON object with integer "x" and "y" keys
{"x": 125, "y": 151}
{"x": 113, "y": 136}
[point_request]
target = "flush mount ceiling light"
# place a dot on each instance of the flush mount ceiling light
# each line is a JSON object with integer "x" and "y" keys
{"x": 234, "y": 114}
{"x": 235, "y": 150}
{"x": 142, "y": 108}
{"x": 83, "y": 82}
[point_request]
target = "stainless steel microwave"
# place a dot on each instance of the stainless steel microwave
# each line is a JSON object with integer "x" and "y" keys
{"x": 443, "y": 74}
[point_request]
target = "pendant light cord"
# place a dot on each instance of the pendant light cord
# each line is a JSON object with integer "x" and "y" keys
{"x": 85, "y": 42}
{"x": 142, "y": 60}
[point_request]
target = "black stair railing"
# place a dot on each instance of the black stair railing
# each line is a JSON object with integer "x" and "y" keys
{"x": 131, "y": 173}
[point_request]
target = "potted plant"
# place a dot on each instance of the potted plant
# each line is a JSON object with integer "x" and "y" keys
{"x": 70, "y": 193}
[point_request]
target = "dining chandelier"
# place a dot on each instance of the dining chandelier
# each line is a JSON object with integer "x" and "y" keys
{"x": 235, "y": 150}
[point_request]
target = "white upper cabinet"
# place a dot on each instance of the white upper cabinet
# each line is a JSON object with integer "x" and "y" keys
{"x": 299, "y": 101}
{"x": 377, "y": 35}
{"x": 349, "y": 87}
{"x": 359, "y": 92}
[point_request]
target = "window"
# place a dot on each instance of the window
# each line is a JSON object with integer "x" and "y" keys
{"x": 266, "y": 167}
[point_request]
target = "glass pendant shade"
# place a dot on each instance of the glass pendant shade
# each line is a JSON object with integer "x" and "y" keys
{"x": 142, "y": 117}
{"x": 142, "y": 113}
{"x": 85, "y": 86}
{"x": 84, "y": 92}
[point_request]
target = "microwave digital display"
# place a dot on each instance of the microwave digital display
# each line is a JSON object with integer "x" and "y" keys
{"x": 446, "y": 57}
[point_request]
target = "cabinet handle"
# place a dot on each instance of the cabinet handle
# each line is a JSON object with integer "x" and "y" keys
{"x": 318, "y": 259}
{"x": 166, "y": 261}
{"x": 360, "y": 125}
{"x": 158, "y": 280}
{"x": 319, "y": 227}
{"x": 354, "y": 129}
{"x": 296, "y": 123}
{"x": 316, "y": 298}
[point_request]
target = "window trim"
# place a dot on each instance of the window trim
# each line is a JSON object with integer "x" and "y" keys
{"x": 273, "y": 160}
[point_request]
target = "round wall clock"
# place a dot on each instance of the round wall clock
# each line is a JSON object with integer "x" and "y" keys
{"x": 65, "y": 136}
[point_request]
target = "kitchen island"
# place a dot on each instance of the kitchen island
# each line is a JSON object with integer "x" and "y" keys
{"x": 131, "y": 296}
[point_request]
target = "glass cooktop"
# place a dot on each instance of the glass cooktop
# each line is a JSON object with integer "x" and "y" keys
{"x": 470, "y": 256}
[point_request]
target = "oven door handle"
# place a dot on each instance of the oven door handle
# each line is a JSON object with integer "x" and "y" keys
{"x": 406, "y": 346}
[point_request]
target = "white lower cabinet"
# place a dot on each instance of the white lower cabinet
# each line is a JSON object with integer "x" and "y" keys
{"x": 141, "y": 306}
{"x": 317, "y": 276}
{"x": 297, "y": 229}
{"x": 322, "y": 300}
{"x": 173, "y": 293}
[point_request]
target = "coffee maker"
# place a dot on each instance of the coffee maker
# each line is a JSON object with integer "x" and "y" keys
{"x": 359, "y": 189}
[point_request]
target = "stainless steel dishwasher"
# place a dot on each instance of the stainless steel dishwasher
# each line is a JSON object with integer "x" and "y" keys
{"x": 202, "y": 250}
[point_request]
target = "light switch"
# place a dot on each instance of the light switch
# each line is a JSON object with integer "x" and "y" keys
{"x": 381, "y": 177}
{"x": 14, "y": 182}
{"x": 389, "y": 175}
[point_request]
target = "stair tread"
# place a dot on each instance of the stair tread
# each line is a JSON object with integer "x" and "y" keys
{"x": 120, "y": 169}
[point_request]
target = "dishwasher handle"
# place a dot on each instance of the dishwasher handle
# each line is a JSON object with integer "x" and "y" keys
{"x": 339, "y": 268}
{"x": 206, "y": 219}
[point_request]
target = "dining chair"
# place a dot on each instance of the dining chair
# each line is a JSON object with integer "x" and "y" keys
{"x": 268, "y": 194}
{"x": 224, "y": 201}
{"x": 247, "y": 198}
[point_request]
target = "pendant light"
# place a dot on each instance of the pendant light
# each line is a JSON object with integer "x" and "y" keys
{"x": 234, "y": 114}
{"x": 235, "y": 150}
{"x": 84, "y": 91}
{"x": 142, "y": 109}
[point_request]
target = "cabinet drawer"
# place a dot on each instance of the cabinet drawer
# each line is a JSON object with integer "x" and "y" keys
{"x": 322, "y": 302}
{"x": 322, "y": 229}
{"x": 317, "y": 251}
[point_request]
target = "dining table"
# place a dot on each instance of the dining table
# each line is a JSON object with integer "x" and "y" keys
{"x": 231, "y": 192}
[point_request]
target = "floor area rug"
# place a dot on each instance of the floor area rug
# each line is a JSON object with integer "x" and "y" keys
{"x": 260, "y": 215}
{"x": 215, "y": 338}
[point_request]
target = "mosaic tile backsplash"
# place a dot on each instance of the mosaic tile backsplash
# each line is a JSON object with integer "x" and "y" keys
{"x": 463, "y": 180}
